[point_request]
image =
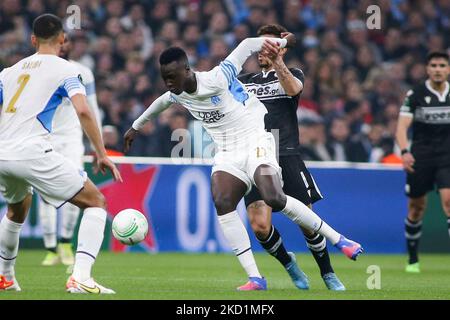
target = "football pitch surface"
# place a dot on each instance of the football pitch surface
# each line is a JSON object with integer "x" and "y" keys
{"x": 177, "y": 276}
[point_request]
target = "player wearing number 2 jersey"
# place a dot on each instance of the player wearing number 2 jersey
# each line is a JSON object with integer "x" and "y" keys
{"x": 30, "y": 92}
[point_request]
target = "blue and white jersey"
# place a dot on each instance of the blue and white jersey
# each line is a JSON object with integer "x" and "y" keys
{"x": 32, "y": 89}
{"x": 229, "y": 113}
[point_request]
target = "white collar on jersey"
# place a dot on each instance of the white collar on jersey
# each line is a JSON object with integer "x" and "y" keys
{"x": 436, "y": 93}
{"x": 265, "y": 74}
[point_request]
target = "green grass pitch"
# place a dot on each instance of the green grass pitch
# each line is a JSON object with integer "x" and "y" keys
{"x": 178, "y": 276}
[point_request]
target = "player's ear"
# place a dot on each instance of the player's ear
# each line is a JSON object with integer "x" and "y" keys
{"x": 61, "y": 38}
{"x": 34, "y": 41}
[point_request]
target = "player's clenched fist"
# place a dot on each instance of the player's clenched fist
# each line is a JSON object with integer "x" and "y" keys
{"x": 408, "y": 162}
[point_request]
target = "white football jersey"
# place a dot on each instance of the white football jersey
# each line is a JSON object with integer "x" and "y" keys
{"x": 66, "y": 126}
{"x": 229, "y": 113}
{"x": 30, "y": 92}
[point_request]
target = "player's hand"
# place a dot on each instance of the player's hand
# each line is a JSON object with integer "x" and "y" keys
{"x": 270, "y": 49}
{"x": 129, "y": 137}
{"x": 290, "y": 37}
{"x": 105, "y": 163}
{"x": 408, "y": 162}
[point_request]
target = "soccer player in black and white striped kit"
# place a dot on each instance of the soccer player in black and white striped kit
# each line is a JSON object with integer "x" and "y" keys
{"x": 279, "y": 88}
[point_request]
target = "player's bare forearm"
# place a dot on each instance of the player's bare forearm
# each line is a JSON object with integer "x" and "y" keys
{"x": 90, "y": 127}
{"x": 291, "y": 85}
{"x": 401, "y": 134}
{"x": 89, "y": 123}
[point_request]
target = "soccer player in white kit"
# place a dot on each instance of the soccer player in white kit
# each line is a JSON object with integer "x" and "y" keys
{"x": 30, "y": 92}
{"x": 66, "y": 139}
{"x": 246, "y": 155}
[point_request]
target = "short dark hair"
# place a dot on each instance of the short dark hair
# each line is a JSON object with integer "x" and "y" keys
{"x": 437, "y": 54}
{"x": 47, "y": 26}
{"x": 273, "y": 29}
{"x": 173, "y": 54}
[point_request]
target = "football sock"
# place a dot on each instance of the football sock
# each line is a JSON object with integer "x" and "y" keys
{"x": 413, "y": 231}
{"x": 90, "y": 238}
{"x": 9, "y": 246}
{"x": 47, "y": 215}
{"x": 317, "y": 244}
{"x": 69, "y": 213}
{"x": 239, "y": 241}
{"x": 273, "y": 244}
{"x": 305, "y": 217}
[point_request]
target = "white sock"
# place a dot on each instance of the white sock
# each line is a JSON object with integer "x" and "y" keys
{"x": 305, "y": 217}
{"x": 90, "y": 238}
{"x": 47, "y": 216}
{"x": 237, "y": 237}
{"x": 69, "y": 213}
{"x": 9, "y": 246}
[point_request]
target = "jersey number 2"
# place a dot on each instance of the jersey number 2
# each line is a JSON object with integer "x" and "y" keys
{"x": 22, "y": 81}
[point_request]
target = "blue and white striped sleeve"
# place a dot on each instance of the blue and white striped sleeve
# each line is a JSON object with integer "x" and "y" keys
{"x": 229, "y": 70}
{"x": 73, "y": 86}
{"x": 1, "y": 93}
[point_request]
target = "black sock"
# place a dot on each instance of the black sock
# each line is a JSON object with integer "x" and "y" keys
{"x": 65, "y": 240}
{"x": 274, "y": 246}
{"x": 51, "y": 249}
{"x": 317, "y": 244}
{"x": 413, "y": 231}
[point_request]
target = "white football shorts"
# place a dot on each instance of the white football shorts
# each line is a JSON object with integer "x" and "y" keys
{"x": 242, "y": 163}
{"x": 71, "y": 149}
{"x": 55, "y": 178}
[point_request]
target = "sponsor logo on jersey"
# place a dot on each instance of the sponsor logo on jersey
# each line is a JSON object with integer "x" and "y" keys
{"x": 433, "y": 115}
{"x": 268, "y": 90}
{"x": 211, "y": 116}
{"x": 215, "y": 100}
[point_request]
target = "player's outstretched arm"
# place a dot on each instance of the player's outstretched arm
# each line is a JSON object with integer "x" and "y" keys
{"x": 240, "y": 54}
{"x": 158, "y": 106}
{"x": 90, "y": 126}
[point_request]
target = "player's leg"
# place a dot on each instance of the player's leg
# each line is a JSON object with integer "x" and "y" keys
{"x": 268, "y": 182}
{"x": 300, "y": 184}
{"x": 59, "y": 181}
{"x": 417, "y": 186}
{"x": 69, "y": 215}
{"x": 47, "y": 218}
{"x": 18, "y": 195}
{"x": 260, "y": 216}
{"x": 73, "y": 150}
{"x": 445, "y": 199}
{"x": 90, "y": 238}
{"x": 227, "y": 191}
{"x": 443, "y": 184}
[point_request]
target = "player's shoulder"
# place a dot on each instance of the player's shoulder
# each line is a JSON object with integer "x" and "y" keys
{"x": 86, "y": 73}
{"x": 247, "y": 77}
{"x": 417, "y": 90}
{"x": 297, "y": 72}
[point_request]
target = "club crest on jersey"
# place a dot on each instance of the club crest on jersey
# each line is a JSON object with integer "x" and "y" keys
{"x": 211, "y": 117}
{"x": 427, "y": 99}
{"x": 215, "y": 100}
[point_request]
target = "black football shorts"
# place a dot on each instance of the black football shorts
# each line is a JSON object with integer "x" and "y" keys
{"x": 298, "y": 182}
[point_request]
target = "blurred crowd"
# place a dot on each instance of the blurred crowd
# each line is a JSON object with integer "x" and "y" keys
{"x": 355, "y": 78}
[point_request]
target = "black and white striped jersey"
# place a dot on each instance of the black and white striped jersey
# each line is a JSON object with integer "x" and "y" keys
{"x": 282, "y": 109}
{"x": 430, "y": 111}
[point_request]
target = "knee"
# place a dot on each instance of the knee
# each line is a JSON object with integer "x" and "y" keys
{"x": 416, "y": 210}
{"x": 277, "y": 201}
{"x": 98, "y": 200}
{"x": 223, "y": 203}
{"x": 260, "y": 228}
